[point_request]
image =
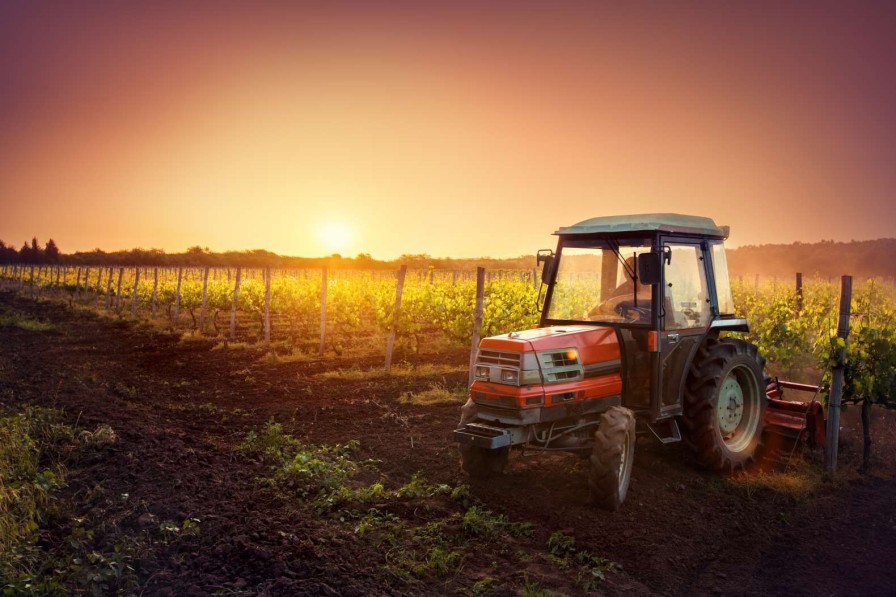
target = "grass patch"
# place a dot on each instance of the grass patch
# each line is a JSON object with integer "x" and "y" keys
{"x": 229, "y": 345}
{"x": 402, "y": 370}
{"x": 13, "y": 318}
{"x": 35, "y": 446}
{"x": 799, "y": 483}
{"x": 436, "y": 394}
{"x": 293, "y": 356}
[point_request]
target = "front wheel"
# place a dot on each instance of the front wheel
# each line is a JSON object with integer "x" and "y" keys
{"x": 480, "y": 462}
{"x": 612, "y": 458}
{"x": 725, "y": 404}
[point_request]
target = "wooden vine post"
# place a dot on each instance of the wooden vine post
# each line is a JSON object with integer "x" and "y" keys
{"x": 118, "y": 292}
{"x": 323, "y": 311}
{"x": 799, "y": 292}
{"x": 134, "y": 292}
{"x": 85, "y": 296}
{"x": 267, "y": 305}
{"x": 204, "y": 301}
{"x": 833, "y": 424}
{"x": 96, "y": 291}
{"x": 477, "y": 320}
{"x": 155, "y": 290}
{"x": 108, "y": 291}
{"x": 180, "y": 277}
{"x": 233, "y": 303}
{"x": 390, "y": 343}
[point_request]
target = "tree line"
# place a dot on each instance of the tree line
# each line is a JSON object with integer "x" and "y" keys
{"x": 197, "y": 256}
{"x": 873, "y": 258}
{"x": 30, "y": 252}
{"x": 863, "y": 259}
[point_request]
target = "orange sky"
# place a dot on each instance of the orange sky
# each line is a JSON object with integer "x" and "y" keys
{"x": 455, "y": 129}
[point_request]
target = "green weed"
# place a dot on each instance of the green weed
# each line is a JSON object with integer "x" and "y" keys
{"x": 376, "y": 521}
{"x": 479, "y": 522}
{"x": 34, "y": 445}
{"x": 533, "y": 589}
{"x": 591, "y": 569}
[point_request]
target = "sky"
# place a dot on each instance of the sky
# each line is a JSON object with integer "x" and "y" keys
{"x": 449, "y": 128}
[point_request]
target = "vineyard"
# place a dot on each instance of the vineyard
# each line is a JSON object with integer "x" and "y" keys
{"x": 152, "y": 461}
{"x": 286, "y": 306}
{"x": 312, "y": 311}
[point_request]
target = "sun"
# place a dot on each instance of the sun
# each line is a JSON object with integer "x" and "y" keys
{"x": 336, "y": 235}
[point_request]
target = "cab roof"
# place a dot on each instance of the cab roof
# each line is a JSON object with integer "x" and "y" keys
{"x": 674, "y": 223}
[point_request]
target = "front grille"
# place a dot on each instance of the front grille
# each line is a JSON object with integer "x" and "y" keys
{"x": 561, "y": 359}
{"x": 498, "y": 357}
{"x": 563, "y": 375}
{"x": 560, "y": 365}
{"x": 497, "y": 363}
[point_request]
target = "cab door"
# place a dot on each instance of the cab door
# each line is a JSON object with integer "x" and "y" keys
{"x": 685, "y": 314}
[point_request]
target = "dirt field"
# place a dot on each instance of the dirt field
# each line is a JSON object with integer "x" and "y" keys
{"x": 180, "y": 409}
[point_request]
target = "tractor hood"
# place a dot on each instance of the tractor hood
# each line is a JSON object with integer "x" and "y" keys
{"x": 593, "y": 345}
{"x": 566, "y": 366}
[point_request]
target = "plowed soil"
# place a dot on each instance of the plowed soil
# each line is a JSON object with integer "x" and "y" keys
{"x": 180, "y": 408}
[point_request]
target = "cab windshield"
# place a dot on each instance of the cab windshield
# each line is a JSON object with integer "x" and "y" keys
{"x": 600, "y": 284}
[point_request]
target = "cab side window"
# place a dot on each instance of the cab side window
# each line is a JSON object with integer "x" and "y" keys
{"x": 686, "y": 297}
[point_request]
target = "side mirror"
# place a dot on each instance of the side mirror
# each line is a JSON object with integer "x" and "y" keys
{"x": 546, "y": 256}
{"x": 649, "y": 268}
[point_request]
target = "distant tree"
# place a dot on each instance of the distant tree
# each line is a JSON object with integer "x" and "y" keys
{"x": 8, "y": 253}
{"x": 51, "y": 252}
{"x": 26, "y": 255}
{"x": 31, "y": 253}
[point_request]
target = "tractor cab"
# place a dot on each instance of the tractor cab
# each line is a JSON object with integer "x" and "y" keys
{"x": 660, "y": 281}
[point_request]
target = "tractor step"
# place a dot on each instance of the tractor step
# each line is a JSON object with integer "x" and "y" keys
{"x": 484, "y": 436}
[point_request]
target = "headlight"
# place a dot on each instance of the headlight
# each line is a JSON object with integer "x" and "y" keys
{"x": 510, "y": 375}
{"x": 482, "y": 372}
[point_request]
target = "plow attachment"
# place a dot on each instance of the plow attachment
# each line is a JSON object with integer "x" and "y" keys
{"x": 788, "y": 422}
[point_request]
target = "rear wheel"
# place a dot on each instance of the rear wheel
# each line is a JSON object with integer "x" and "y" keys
{"x": 480, "y": 462}
{"x": 725, "y": 404}
{"x": 612, "y": 458}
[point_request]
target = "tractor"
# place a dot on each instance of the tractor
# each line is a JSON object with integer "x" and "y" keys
{"x": 630, "y": 339}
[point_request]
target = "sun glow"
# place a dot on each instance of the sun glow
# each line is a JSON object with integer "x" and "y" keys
{"x": 337, "y": 236}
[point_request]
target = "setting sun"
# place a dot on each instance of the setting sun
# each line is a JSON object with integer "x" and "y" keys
{"x": 336, "y": 235}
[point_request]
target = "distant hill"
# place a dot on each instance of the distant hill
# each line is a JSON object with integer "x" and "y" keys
{"x": 861, "y": 259}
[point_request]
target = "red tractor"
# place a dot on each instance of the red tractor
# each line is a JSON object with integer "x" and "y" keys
{"x": 632, "y": 312}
